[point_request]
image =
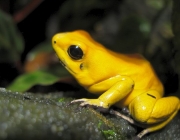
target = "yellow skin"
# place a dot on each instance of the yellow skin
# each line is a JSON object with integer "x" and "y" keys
{"x": 120, "y": 80}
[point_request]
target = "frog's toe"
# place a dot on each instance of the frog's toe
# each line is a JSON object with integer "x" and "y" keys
{"x": 96, "y": 107}
{"x": 84, "y": 104}
{"x": 79, "y": 100}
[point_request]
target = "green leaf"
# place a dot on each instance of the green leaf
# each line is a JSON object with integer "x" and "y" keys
{"x": 27, "y": 80}
{"x": 11, "y": 42}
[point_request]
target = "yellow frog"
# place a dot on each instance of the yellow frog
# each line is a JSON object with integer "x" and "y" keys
{"x": 120, "y": 79}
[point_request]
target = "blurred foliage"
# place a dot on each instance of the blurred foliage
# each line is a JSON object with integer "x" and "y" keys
{"x": 11, "y": 42}
{"x": 127, "y": 26}
{"x": 176, "y": 31}
{"x": 26, "y": 81}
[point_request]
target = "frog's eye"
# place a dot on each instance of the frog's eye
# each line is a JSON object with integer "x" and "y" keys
{"x": 75, "y": 52}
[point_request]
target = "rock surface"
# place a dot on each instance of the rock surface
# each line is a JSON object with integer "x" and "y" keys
{"x": 49, "y": 116}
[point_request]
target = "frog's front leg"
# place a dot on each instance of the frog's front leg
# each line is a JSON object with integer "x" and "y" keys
{"x": 122, "y": 86}
{"x": 149, "y": 108}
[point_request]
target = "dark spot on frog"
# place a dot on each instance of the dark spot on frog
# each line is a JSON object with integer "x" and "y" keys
{"x": 54, "y": 42}
{"x": 81, "y": 66}
{"x": 151, "y": 95}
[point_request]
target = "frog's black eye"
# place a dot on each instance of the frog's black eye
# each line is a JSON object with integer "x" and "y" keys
{"x": 75, "y": 52}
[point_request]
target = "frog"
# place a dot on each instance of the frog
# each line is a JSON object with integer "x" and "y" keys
{"x": 118, "y": 79}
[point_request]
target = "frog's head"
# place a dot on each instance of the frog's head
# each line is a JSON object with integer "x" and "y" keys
{"x": 73, "y": 50}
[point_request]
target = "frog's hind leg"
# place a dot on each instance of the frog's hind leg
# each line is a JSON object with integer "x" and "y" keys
{"x": 149, "y": 108}
{"x": 156, "y": 127}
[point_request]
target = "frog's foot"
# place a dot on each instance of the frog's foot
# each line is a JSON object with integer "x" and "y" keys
{"x": 130, "y": 120}
{"x": 122, "y": 116}
{"x": 95, "y": 103}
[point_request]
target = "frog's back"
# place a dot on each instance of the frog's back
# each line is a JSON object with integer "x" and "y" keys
{"x": 141, "y": 71}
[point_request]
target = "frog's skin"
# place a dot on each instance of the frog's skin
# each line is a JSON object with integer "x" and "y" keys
{"x": 120, "y": 80}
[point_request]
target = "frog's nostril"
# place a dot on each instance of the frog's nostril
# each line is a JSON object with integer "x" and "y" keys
{"x": 54, "y": 42}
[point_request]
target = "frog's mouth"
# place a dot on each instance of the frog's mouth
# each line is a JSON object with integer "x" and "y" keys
{"x": 63, "y": 63}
